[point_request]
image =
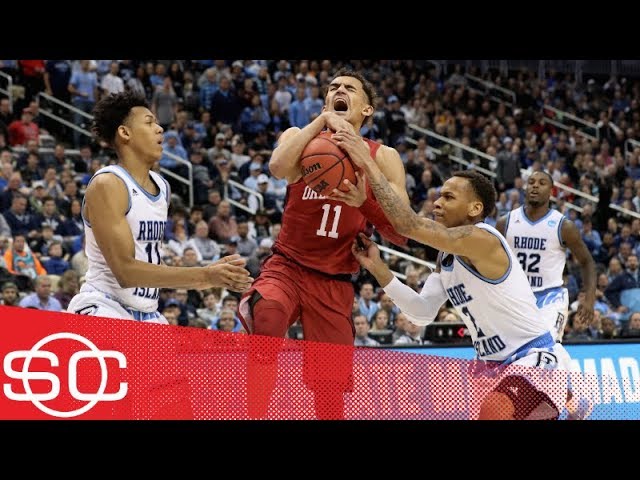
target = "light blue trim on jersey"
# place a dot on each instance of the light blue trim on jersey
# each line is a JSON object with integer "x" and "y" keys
{"x": 562, "y": 219}
{"x": 136, "y": 314}
{"x": 543, "y": 341}
{"x": 481, "y": 277}
{"x": 153, "y": 198}
{"x": 548, "y": 295}
{"x": 167, "y": 191}
{"x": 143, "y": 316}
{"x": 125, "y": 186}
{"x": 531, "y": 222}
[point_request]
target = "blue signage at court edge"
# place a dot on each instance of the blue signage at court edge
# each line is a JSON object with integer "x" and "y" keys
{"x": 612, "y": 371}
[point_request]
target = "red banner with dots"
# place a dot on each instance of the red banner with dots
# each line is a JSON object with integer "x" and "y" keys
{"x": 63, "y": 366}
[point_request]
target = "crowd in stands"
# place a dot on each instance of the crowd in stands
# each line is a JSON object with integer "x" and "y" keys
{"x": 224, "y": 118}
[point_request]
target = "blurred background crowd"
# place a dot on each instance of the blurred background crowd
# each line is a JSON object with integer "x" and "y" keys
{"x": 222, "y": 119}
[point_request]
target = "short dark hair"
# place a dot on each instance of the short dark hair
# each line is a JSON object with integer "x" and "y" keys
{"x": 111, "y": 112}
{"x": 367, "y": 86}
{"x": 482, "y": 188}
{"x": 544, "y": 172}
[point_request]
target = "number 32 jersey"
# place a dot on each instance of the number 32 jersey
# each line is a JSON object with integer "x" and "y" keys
{"x": 317, "y": 232}
{"x": 501, "y": 314}
{"x": 538, "y": 246}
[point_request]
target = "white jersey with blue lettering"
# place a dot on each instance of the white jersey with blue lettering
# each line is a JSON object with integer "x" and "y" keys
{"x": 538, "y": 246}
{"x": 147, "y": 217}
{"x": 501, "y": 315}
{"x": 542, "y": 254}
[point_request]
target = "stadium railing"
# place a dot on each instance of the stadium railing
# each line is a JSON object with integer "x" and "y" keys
{"x": 491, "y": 90}
{"x": 44, "y": 102}
{"x": 523, "y": 172}
{"x": 388, "y": 252}
{"x": 240, "y": 205}
{"x": 565, "y": 120}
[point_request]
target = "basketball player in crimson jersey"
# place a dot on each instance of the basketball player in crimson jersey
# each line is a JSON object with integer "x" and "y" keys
{"x": 308, "y": 276}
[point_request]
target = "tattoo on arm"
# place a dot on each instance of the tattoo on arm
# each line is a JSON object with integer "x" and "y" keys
{"x": 404, "y": 219}
{"x": 399, "y": 213}
{"x": 457, "y": 233}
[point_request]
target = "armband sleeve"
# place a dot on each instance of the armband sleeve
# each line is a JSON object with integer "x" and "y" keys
{"x": 420, "y": 308}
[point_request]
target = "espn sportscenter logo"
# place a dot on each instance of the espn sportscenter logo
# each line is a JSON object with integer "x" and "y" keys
{"x": 54, "y": 381}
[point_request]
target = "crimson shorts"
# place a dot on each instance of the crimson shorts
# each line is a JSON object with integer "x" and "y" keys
{"x": 323, "y": 304}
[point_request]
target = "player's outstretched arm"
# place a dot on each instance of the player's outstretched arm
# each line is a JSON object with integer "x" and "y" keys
{"x": 106, "y": 203}
{"x": 420, "y": 309}
{"x": 573, "y": 240}
{"x": 285, "y": 159}
{"x": 467, "y": 241}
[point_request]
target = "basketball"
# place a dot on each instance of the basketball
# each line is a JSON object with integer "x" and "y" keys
{"x": 324, "y": 165}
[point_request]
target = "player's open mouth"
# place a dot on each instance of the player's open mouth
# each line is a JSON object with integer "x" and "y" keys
{"x": 340, "y": 105}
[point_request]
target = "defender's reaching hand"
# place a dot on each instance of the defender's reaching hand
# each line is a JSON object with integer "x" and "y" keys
{"x": 229, "y": 272}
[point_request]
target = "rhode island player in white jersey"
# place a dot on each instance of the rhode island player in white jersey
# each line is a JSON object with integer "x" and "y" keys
{"x": 481, "y": 277}
{"x": 125, "y": 211}
{"x": 540, "y": 236}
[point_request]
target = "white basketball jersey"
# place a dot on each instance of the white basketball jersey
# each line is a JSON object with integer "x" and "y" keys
{"x": 147, "y": 217}
{"x": 538, "y": 247}
{"x": 501, "y": 315}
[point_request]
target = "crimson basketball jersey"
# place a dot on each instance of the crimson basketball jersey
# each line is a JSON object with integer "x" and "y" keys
{"x": 317, "y": 232}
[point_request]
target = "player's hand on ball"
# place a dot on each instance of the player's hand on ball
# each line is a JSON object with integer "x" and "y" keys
{"x": 355, "y": 146}
{"x": 229, "y": 272}
{"x": 366, "y": 252}
{"x": 356, "y": 195}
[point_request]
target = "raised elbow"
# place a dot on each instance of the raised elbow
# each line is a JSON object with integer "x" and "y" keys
{"x": 276, "y": 168}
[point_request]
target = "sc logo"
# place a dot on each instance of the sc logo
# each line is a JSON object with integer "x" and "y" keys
{"x": 37, "y": 398}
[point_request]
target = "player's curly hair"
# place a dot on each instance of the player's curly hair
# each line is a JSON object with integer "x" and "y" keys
{"x": 482, "y": 187}
{"x": 367, "y": 86}
{"x": 111, "y": 112}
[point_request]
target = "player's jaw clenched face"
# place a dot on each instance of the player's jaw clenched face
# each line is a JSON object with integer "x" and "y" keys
{"x": 346, "y": 97}
{"x": 146, "y": 135}
{"x": 538, "y": 189}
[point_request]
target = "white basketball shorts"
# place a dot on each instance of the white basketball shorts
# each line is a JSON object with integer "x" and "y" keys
{"x": 98, "y": 304}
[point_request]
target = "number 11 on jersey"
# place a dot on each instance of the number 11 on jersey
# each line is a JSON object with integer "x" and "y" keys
{"x": 333, "y": 233}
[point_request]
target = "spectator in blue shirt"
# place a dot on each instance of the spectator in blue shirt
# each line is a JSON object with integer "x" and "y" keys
{"x": 590, "y": 237}
{"x": 83, "y": 87}
{"x": 254, "y": 119}
{"x": 171, "y": 145}
{"x": 41, "y": 298}
{"x": 56, "y": 265}
{"x": 299, "y": 115}
{"x": 624, "y": 290}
